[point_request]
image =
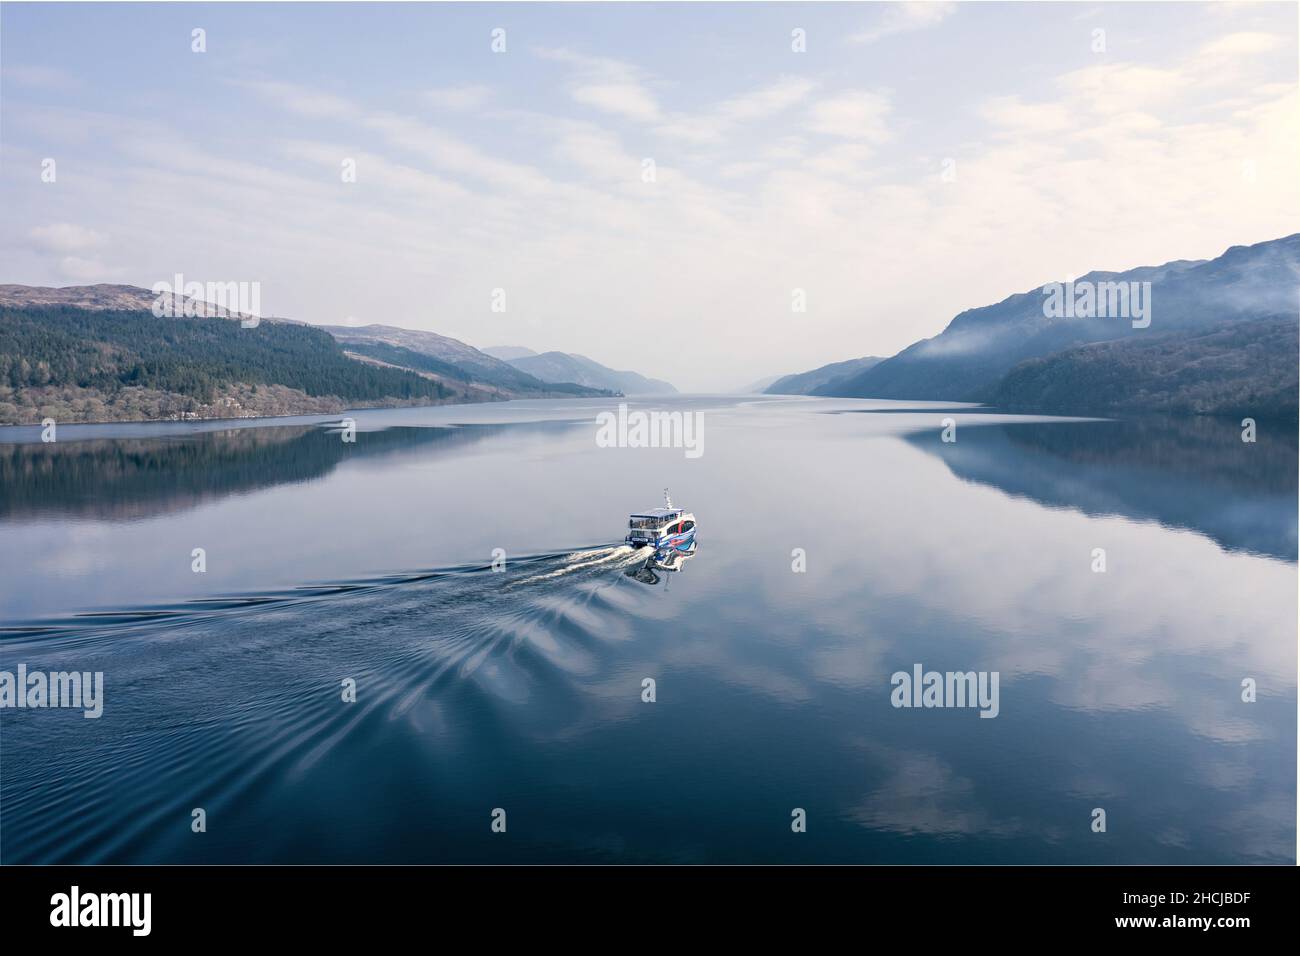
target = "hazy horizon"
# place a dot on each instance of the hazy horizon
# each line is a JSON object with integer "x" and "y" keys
{"x": 917, "y": 160}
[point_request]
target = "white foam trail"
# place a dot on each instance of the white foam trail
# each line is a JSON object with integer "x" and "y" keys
{"x": 580, "y": 560}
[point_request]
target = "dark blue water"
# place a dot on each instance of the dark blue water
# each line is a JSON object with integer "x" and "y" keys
{"x": 521, "y": 688}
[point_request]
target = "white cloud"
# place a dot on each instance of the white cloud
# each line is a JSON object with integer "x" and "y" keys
{"x": 620, "y": 89}
{"x": 766, "y": 101}
{"x": 1122, "y": 87}
{"x": 458, "y": 98}
{"x": 598, "y": 153}
{"x": 846, "y": 159}
{"x": 904, "y": 17}
{"x": 84, "y": 270}
{"x": 626, "y": 99}
{"x": 606, "y": 84}
{"x": 455, "y": 155}
{"x": 302, "y": 99}
{"x": 713, "y": 126}
{"x": 1242, "y": 44}
{"x": 66, "y": 237}
{"x": 376, "y": 170}
{"x": 741, "y": 170}
{"x": 855, "y": 115}
{"x": 1014, "y": 113}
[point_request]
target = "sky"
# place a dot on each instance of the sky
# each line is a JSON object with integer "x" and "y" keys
{"x": 677, "y": 189}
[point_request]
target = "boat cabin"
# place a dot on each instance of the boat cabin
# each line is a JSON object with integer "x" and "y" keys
{"x": 649, "y": 526}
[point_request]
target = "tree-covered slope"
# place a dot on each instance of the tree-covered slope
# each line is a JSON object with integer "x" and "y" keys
{"x": 1238, "y": 368}
{"x": 52, "y": 356}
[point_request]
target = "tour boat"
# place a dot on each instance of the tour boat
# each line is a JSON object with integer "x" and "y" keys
{"x": 668, "y": 530}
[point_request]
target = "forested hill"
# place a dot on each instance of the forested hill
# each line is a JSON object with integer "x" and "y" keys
{"x": 1236, "y": 368}
{"x": 1186, "y": 356}
{"x": 76, "y": 364}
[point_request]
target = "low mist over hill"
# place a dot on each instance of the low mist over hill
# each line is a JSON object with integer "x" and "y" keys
{"x": 478, "y": 367}
{"x": 803, "y": 383}
{"x": 1196, "y": 314}
{"x": 570, "y": 367}
{"x": 507, "y": 352}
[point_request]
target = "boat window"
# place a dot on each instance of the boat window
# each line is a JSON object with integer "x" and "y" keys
{"x": 688, "y": 525}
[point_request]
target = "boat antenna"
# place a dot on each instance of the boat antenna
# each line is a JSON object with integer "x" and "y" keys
{"x": 667, "y": 500}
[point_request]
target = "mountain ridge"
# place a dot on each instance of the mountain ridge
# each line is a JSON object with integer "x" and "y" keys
{"x": 479, "y": 367}
{"x": 558, "y": 366}
{"x": 968, "y": 360}
{"x": 100, "y": 353}
{"x": 803, "y": 383}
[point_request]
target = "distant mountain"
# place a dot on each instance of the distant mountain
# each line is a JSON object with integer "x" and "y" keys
{"x": 477, "y": 367}
{"x": 968, "y": 360}
{"x": 758, "y": 387}
{"x": 507, "y": 352}
{"x": 804, "y": 383}
{"x": 568, "y": 367}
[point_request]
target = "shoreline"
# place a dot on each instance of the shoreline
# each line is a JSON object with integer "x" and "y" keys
{"x": 321, "y": 415}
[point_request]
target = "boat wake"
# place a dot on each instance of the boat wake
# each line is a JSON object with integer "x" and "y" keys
{"x": 237, "y": 701}
{"x": 580, "y": 561}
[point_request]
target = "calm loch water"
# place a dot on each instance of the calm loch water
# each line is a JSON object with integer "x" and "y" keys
{"x": 522, "y": 689}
